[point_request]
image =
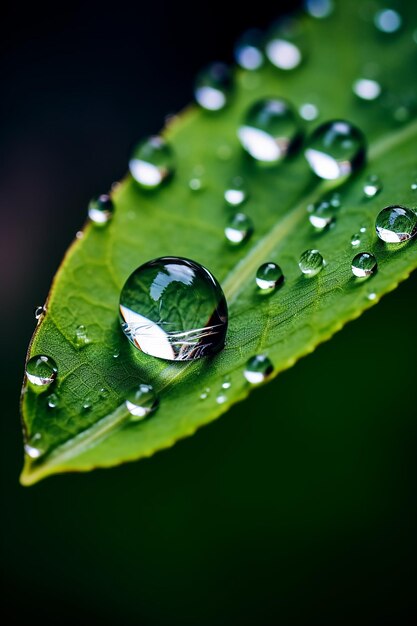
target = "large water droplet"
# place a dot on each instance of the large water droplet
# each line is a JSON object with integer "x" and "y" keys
{"x": 319, "y": 8}
{"x": 269, "y": 276}
{"x": 100, "y": 210}
{"x": 311, "y": 262}
{"x": 372, "y": 186}
{"x": 239, "y": 228}
{"x": 335, "y": 150}
{"x": 173, "y": 308}
{"x": 236, "y": 193}
{"x": 283, "y": 47}
{"x": 41, "y": 370}
{"x": 33, "y": 447}
{"x": 248, "y": 50}
{"x": 364, "y": 265}
{"x": 141, "y": 402}
{"x": 396, "y": 224}
{"x": 366, "y": 89}
{"x": 213, "y": 86}
{"x": 151, "y": 162}
{"x": 270, "y": 128}
{"x": 258, "y": 369}
{"x": 388, "y": 20}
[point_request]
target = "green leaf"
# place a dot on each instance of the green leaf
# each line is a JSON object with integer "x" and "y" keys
{"x": 90, "y": 427}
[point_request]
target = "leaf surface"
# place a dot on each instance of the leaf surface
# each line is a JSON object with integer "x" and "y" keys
{"x": 90, "y": 427}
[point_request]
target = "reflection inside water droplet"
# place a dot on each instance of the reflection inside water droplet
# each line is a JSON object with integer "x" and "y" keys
{"x": 258, "y": 369}
{"x": 396, "y": 224}
{"x": 269, "y": 276}
{"x": 364, "y": 265}
{"x": 41, "y": 370}
{"x": 311, "y": 263}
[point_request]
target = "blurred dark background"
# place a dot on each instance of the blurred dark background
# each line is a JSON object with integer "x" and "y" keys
{"x": 299, "y": 506}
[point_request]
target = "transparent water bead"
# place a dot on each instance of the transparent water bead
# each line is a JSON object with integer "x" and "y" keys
{"x": 205, "y": 393}
{"x": 39, "y": 312}
{"x": 311, "y": 262}
{"x": 213, "y": 87}
{"x": 355, "y": 240}
{"x": 372, "y": 186}
{"x": 152, "y": 162}
{"x": 366, "y": 89}
{"x": 258, "y": 368}
{"x": 81, "y": 337}
{"x": 236, "y": 193}
{"x": 41, "y": 370}
{"x": 33, "y": 447}
{"x": 388, "y": 20}
{"x": 364, "y": 265}
{"x": 53, "y": 401}
{"x": 308, "y": 111}
{"x": 335, "y": 150}
{"x": 100, "y": 210}
{"x": 269, "y": 276}
{"x": 319, "y": 8}
{"x": 239, "y": 228}
{"x": 284, "y": 44}
{"x": 248, "y": 50}
{"x": 396, "y": 224}
{"x": 270, "y": 128}
{"x": 173, "y": 308}
{"x": 322, "y": 214}
{"x": 141, "y": 402}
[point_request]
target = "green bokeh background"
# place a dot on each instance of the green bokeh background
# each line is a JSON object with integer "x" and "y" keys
{"x": 298, "y": 507}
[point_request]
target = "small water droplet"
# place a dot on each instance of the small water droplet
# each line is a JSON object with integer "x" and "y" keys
{"x": 372, "y": 186}
{"x": 372, "y": 296}
{"x": 236, "y": 193}
{"x": 152, "y": 162}
{"x": 319, "y": 8}
{"x": 366, "y": 89}
{"x": 173, "y": 308}
{"x": 41, "y": 370}
{"x": 335, "y": 150}
{"x": 53, "y": 401}
{"x": 364, "y": 264}
{"x": 33, "y": 447}
{"x": 205, "y": 394}
{"x": 258, "y": 368}
{"x": 81, "y": 337}
{"x": 323, "y": 213}
{"x": 142, "y": 402}
{"x": 39, "y": 312}
{"x": 309, "y": 111}
{"x": 355, "y": 240}
{"x": 311, "y": 262}
{"x": 100, "y": 210}
{"x": 248, "y": 50}
{"x": 396, "y": 224}
{"x": 239, "y": 228}
{"x": 213, "y": 87}
{"x": 388, "y": 21}
{"x": 362, "y": 229}
{"x": 195, "y": 184}
{"x": 103, "y": 393}
{"x": 413, "y": 186}
{"x": 116, "y": 354}
{"x": 269, "y": 276}
{"x": 227, "y": 383}
{"x": 79, "y": 234}
{"x": 270, "y": 128}
{"x": 221, "y": 398}
{"x": 284, "y": 43}
{"x": 87, "y": 404}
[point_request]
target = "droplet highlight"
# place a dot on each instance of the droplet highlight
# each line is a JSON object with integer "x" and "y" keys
{"x": 366, "y": 89}
{"x": 236, "y": 193}
{"x": 248, "y": 50}
{"x": 152, "y": 162}
{"x": 335, "y": 150}
{"x": 372, "y": 186}
{"x": 174, "y": 308}
{"x": 270, "y": 128}
{"x": 213, "y": 87}
{"x": 396, "y": 224}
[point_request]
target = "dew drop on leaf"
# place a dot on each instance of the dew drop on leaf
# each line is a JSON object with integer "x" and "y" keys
{"x": 364, "y": 264}
{"x": 372, "y": 186}
{"x": 335, "y": 150}
{"x": 248, "y": 50}
{"x": 258, "y": 368}
{"x": 308, "y": 111}
{"x": 33, "y": 447}
{"x": 152, "y": 162}
{"x": 173, "y": 308}
{"x": 41, "y": 370}
{"x": 236, "y": 193}
{"x": 366, "y": 89}
{"x": 269, "y": 276}
{"x": 53, "y": 401}
{"x": 396, "y": 224}
{"x": 269, "y": 129}
{"x": 100, "y": 210}
{"x": 213, "y": 87}
{"x": 284, "y": 44}
{"x": 311, "y": 262}
{"x": 81, "y": 337}
{"x": 355, "y": 240}
{"x": 39, "y": 312}
{"x": 141, "y": 402}
{"x": 239, "y": 229}
{"x": 322, "y": 214}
